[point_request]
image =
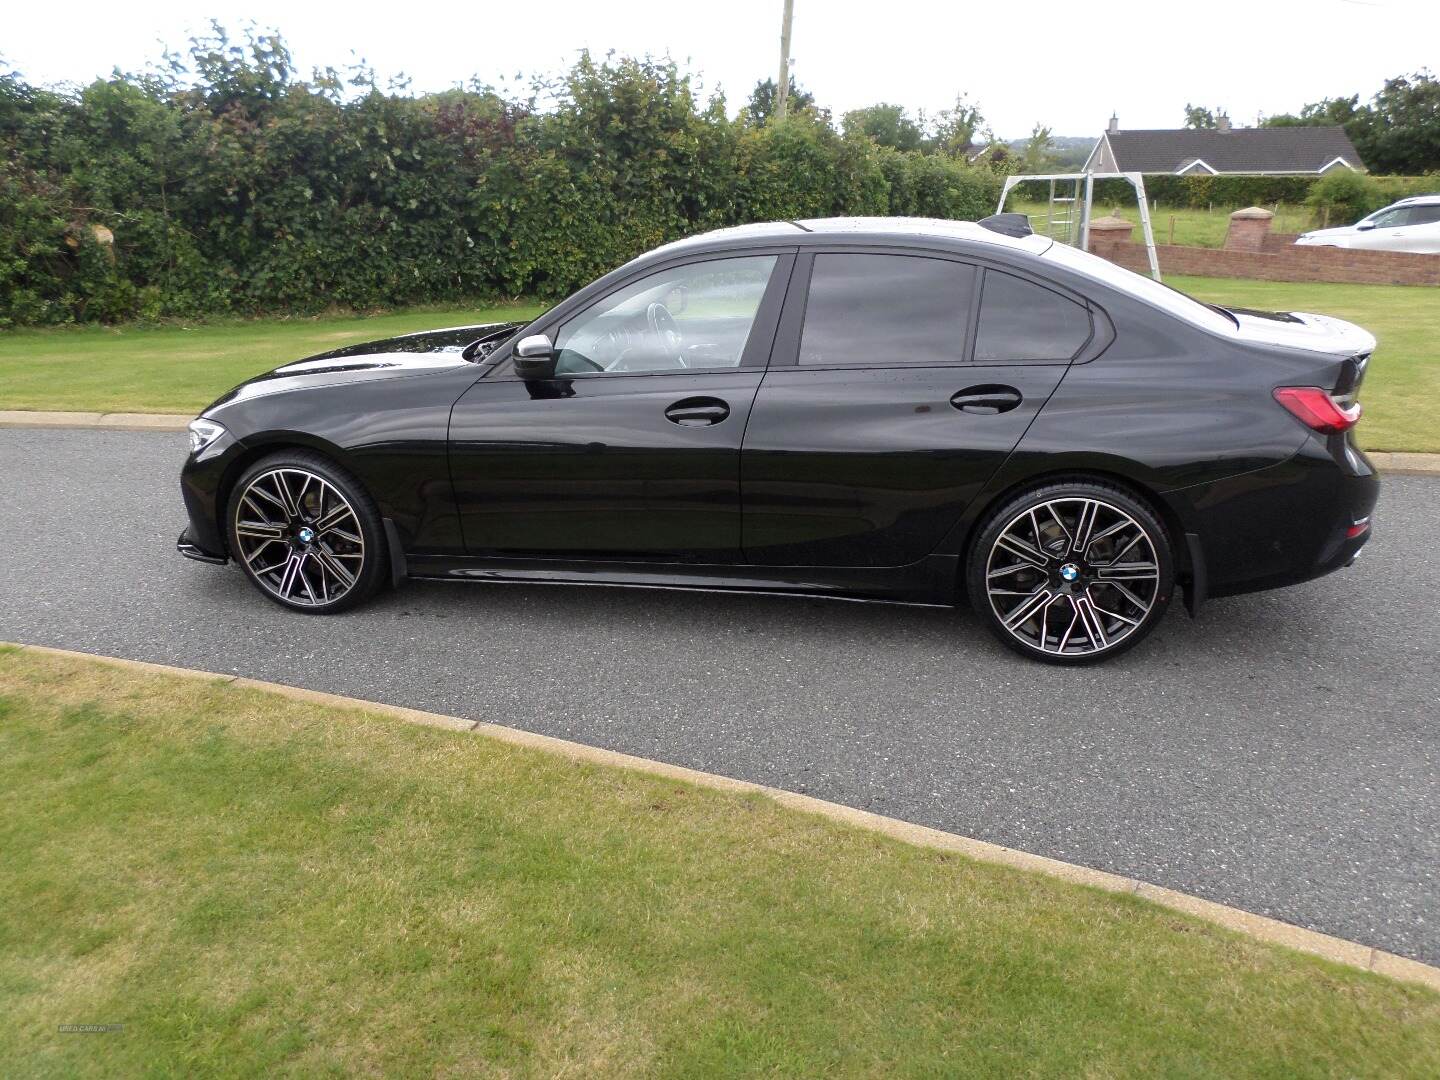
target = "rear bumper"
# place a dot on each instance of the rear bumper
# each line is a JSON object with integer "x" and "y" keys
{"x": 1283, "y": 525}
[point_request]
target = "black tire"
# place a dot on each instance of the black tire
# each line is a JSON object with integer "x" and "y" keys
{"x": 328, "y": 550}
{"x": 1102, "y": 600}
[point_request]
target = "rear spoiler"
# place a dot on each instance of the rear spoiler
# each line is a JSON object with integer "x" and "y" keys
{"x": 1017, "y": 225}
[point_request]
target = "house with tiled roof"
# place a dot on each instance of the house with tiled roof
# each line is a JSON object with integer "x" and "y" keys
{"x": 1224, "y": 150}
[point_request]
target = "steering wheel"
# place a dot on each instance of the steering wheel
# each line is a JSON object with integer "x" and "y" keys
{"x": 666, "y": 331}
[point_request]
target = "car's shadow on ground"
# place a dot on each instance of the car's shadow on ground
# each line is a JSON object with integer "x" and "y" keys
{"x": 572, "y": 614}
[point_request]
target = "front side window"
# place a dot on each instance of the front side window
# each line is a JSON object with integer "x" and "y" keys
{"x": 1391, "y": 219}
{"x": 696, "y": 316}
{"x": 1020, "y": 320}
{"x": 884, "y": 310}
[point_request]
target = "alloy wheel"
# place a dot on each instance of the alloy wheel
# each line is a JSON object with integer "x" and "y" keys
{"x": 1072, "y": 576}
{"x": 299, "y": 536}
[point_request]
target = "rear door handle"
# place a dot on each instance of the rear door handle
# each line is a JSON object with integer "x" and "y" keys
{"x": 697, "y": 412}
{"x": 987, "y": 400}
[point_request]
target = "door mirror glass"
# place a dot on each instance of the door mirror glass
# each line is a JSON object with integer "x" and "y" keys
{"x": 535, "y": 357}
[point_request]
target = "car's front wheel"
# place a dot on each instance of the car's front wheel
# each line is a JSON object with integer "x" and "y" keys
{"x": 1071, "y": 572}
{"x": 306, "y": 533}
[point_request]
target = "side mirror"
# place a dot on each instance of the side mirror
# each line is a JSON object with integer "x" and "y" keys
{"x": 535, "y": 357}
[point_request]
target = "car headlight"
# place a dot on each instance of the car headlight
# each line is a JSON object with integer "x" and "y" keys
{"x": 204, "y": 432}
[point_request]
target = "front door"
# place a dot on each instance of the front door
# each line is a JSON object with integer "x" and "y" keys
{"x": 892, "y": 402}
{"x": 633, "y": 450}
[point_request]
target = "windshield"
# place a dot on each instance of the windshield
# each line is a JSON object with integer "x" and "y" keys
{"x": 1148, "y": 289}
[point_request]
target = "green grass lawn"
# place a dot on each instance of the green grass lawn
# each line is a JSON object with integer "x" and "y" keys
{"x": 181, "y": 369}
{"x": 1401, "y": 393}
{"x": 1175, "y": 225}
{"x": 254, "y": 886}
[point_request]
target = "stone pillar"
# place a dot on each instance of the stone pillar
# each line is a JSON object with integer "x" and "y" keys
{"x": 1107, "y": 234}
{"x": 1248, "y": 229}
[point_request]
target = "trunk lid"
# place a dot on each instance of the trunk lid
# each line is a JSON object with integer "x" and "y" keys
{"x": 1303, "y": 330}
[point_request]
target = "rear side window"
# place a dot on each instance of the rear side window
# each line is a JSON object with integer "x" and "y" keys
{"x": 886, "y": 310}
{"x": 1425, "y": 214}
{"x": 1020, "y": 320}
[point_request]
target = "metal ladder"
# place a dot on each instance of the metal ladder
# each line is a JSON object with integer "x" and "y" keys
{"x": 1061, "y": 220}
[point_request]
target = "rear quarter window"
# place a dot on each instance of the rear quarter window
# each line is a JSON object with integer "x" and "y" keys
{"x": 1020, "y": 320}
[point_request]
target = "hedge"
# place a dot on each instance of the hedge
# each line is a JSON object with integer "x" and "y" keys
{"x": 224, "y": 184}
{"x": 242, "y": 189}
{"x": 1233, "y": 192}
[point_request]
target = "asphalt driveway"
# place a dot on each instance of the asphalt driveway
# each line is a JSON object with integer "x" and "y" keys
{"x": 1281, "y": 754}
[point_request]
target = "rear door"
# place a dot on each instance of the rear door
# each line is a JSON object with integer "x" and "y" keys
{"x": 1421, "y": 233}
{"x": 899, "y": 384}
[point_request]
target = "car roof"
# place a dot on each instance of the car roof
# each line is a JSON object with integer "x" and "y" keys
{"x": 1411, "y": 200}
{"x": 808, "y": 230}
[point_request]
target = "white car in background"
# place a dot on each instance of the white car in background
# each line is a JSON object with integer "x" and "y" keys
{"x": 1411, "y": 224}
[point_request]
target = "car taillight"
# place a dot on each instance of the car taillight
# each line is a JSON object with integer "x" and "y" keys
{"x": 1317, "y": 409}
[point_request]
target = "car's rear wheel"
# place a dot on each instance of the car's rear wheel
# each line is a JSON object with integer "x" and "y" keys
{"x": 1071, "y": 572}
{"x": 306, "y": 533}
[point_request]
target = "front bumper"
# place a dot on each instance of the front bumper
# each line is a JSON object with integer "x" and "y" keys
{"x": 201, "y": 480}
{"x": 186, "y": 546}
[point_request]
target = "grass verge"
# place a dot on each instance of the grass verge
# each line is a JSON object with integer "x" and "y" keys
{"x": 250, "y": 884}
{"x": 181, "y": 369}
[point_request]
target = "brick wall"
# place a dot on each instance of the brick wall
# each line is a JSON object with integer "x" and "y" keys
{"x": 1278, "y": 261}
{"x": 1282, "y": 241}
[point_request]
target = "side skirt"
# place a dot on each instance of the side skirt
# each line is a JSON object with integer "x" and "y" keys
{"x": 931, "y": 581}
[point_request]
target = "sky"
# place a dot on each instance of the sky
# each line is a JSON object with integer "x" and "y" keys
{"x": 1144, "y": 61}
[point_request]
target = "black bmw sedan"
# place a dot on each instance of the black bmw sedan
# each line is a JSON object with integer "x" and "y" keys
{"x": 883, "y": 408}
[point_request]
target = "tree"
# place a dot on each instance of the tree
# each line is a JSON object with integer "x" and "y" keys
{"x": 1342, "y": 111}
{"x": 889, "y": 125}
{"x": 1341, "y": 197}
{"x": 1404, "y": 132}
{"x": 761, "y": 106}
{"x": 1037, "y": 156}
{"x": 1398, "y": 132}
{"x": 1199, "y": 118}
{"x": 953, "y": 132}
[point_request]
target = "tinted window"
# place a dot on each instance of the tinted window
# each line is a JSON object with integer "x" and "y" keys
{"x": 696, "y": 316}
{"x": 1425, "y": 214}
{"x": 1020, "y": 320}
{"x": 881, "y": 310}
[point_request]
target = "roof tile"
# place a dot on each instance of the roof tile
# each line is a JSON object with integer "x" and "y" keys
{"x": 1240, "y": 150}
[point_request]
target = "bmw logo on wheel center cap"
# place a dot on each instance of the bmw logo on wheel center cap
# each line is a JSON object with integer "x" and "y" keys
{"x": 307, "y": 534}
{"x": 1069, "y": 571}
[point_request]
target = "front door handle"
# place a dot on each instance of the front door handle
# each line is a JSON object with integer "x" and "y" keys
{"x": 987, "y": 400}
{"x": 697, "y": 412}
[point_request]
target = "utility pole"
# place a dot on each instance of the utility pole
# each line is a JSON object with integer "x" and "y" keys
{"x": 782, "y": 89}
